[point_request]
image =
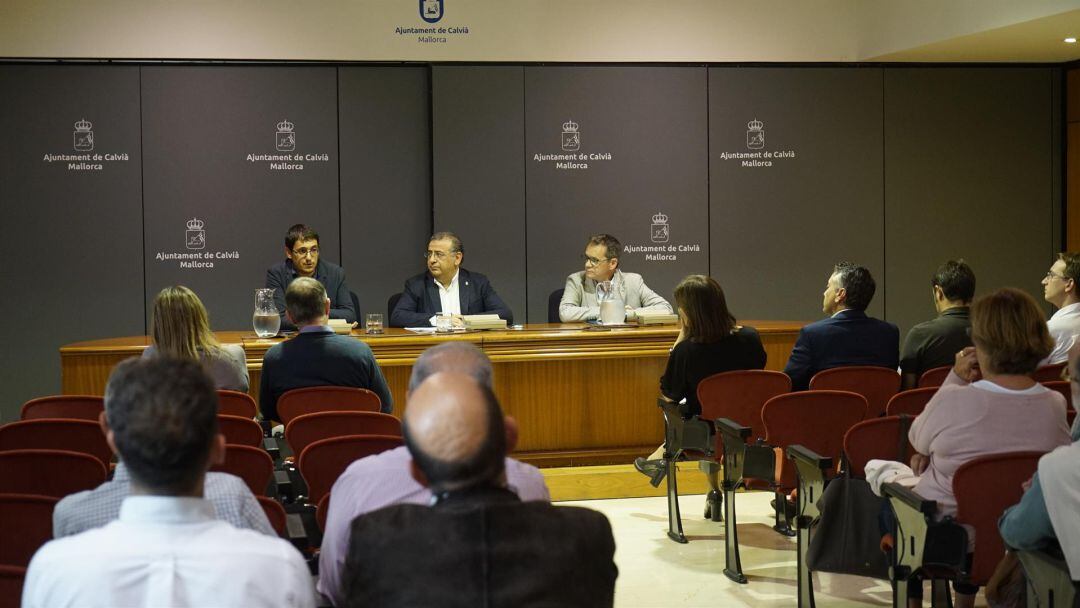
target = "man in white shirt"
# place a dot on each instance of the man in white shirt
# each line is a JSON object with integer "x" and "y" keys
{"x": 1060, "y": 289}
{"x": 167, "y": 548}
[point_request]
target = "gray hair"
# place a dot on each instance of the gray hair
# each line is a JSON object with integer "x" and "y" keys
{"x": 461, "y": 357}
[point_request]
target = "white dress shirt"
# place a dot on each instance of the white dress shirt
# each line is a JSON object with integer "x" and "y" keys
{"x": 449, "y": 297}
{"x": 1064, "y": 328}
{"x": 168, "y": 551}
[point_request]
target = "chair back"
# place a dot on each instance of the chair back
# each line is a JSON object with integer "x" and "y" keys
{"x": 1049, "y": 373}
{"x": 240, "y": 431}
{"x": 322, "y": 462}
{"x": 553, "y": 305}
{"x": 321, "y": 511}
{"x": 300, "y": 401}
{"x": 275, "y": 512}
{"x": 816, "y": 419}
{"x": 56, "y": 434}
{"x": 911, "y": 402}
{"x": 77, "y": 407}
{"x": 875, "y": 438}
{"x": 984, "y": 487}
{"x": 740, "y": 395}
{"x": 304, "y": 430}
{"x": 1064, "y": 387}
{"x": 54, "y": 473}
{"x": 253, "y": 465}
{"x": 356, "y": 304}
{"x": 11, "y": 584}
{"x": 235, "y": 403}
{"x": 877, "y": 384}
{"x": 391, "y": 304}
{"x": 25, "y": 525}
{"x": 934, "y": 377}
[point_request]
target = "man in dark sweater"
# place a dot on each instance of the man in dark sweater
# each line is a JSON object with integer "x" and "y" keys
{"x": 935, "y": 343}
{"x": 302, "y": 260}
{"x": 316, "y": 356}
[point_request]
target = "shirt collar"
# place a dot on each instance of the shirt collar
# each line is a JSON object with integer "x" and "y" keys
{"x": 453, "y": 281}
{"x": 316, "y": 329}
{"x": 165, "y": 510}
{"x": 1071, "y": 309}
{"x": 956, "y": 311}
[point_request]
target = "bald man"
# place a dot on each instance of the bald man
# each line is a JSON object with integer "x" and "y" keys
{"x": 478, "y": 544}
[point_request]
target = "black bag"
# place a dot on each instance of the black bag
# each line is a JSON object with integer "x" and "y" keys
{"x": 846, "y": 537}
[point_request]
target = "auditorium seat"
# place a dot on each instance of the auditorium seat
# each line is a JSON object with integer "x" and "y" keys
{"x": 275, "y": 512}
{"x": 877, "y": 384}
{"x": 911, "y": 402}
{"x": 54, "y": 473}
{"x": 304, "y": 430}
{"x": 25, "y": 525}
{"x": 235, "y": 403}
{"x": 253, "y": 465}
{"x": 878, "y": 438}
{"x": 1049, "y": 373}
{"x": 240, "y": 430}
{"x": 934, "y": 377}
{"x": 300, "y": 401}
{"x": 553, "y": 305}
{"x": 78, "y": 407}
{"x": 322, "y": 462}
{"x": 56, "y": 434}
{"x": 11, "y": 584}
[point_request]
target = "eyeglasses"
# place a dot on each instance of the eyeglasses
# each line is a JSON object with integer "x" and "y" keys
{"x": 591, "y": 261}
{"x": 304, "y": 251}
{"x": 439, "y": 255}
{"x": 1050, "y": 275}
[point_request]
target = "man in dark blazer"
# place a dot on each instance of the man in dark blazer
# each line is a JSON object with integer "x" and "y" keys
{"x": 478, "y": 544}
{"x": 302, "y": 260}
{"x": 848, "y": 336}
{"x": 446, "y": 288}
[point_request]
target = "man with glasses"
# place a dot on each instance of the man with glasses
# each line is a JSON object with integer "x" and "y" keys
{"x": 602, "y": 264}
{"x": 1060, "y": 289}
{"x": 446, "y": 288}
{"x": 302, "y": 260}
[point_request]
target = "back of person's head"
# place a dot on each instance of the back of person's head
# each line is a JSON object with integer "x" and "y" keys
{"x": 453, "y": 428}
{"x": 179, "y": 324}
{"x": 461, "y": 357}
{"x": 1009, "y": 330}
{"x": 163, "y": 416}
{"x": 704, "y": 307}
{"x": 612, "y": 246}
{"x": 1072, "y": 265}
{"x": 956, "y": 280}
{"x": 305, "y": 300}
{"x": 857, "y": 283}
{"x": 299, "y": 232}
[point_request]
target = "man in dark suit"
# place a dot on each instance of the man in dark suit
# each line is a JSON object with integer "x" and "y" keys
{"x": 302, "y": 260}
{"x": 446, "y": 288}
{"x": 478, "y": 544}
{"x": 848, "y": 336}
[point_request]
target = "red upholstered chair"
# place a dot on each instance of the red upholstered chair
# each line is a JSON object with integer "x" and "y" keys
{"x": 79, "y": 407}
{"x": 874, "y": 438}
{"x": 25, "y": 525}
{"x": 240, "y": 431}
{"x": 300, "y": 401}
{"x": 235, "y": 403}
{"x": 877, "y": 384}
{"x": 253, "y": 465}
{"x": 911, "y": 402}
{"x": 1062, "y": 386}
{"x": 54, "y": 473}
{"x": 322, "y": 511}
{"x": 56, "y": 434}
{"x": 934, "y": 377}
{"x": 322, "y": 462}
{"x": 740, "y": 395}
{"x": 304, "y": 430}
{"x": 1049, "y": 373}
{"x": 11, "y": 584}
{"x": 275, "y": 512}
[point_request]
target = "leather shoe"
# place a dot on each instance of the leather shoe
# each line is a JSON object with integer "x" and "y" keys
{"x": 789, "y": 507}
{"x": 655, "y": 470}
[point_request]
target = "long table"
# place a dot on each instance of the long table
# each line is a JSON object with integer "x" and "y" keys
{"x": 580, "y": 394}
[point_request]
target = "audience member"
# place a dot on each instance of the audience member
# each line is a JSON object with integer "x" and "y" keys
{"x": 1060, "y": 287}
{"x": 935, "y": 343}
{"x": 601, "y": 258}
{"x": 378, "y": 481}
{"x": 478, "y": 545}
{"x": 446, "y": 288}
{"x": 848, "y": 336}
{"x": 302, "y": 260}
{"x": 316, "y": 356}
{"x": 166, "y": 549}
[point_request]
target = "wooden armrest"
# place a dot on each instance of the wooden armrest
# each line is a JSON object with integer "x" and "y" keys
{"x": 733, "y": 430}
{"x": 804, "y": 455}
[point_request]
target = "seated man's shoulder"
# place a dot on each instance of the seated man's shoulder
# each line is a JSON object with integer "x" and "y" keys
{"x": 278, "y": 267}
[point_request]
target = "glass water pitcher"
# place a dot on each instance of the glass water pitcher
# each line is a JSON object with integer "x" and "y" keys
{"x": 265, "y": 320}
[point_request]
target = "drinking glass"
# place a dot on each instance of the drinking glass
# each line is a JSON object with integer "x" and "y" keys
{"x": 374, "y": 324}
{"x": 444, "y": 323}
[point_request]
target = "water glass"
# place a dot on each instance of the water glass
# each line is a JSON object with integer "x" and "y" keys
{"x": 374, "y": 324}
{"x": 444, "y": 323}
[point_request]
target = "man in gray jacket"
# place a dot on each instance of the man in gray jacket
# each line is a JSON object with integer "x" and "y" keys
{"x": 602, "y": 264}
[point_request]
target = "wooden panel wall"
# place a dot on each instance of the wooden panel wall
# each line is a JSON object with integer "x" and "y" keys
{"x": 1072, "y": 160}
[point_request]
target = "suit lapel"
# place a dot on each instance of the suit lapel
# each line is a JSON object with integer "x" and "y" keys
{"x": 465, "y": 291}
{"x": 434, "y": 303}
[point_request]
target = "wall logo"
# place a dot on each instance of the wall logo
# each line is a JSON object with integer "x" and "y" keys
{"x": 755, "y": 136}
{"x": 84, "y": 137}
{"x": 431, "y": 10}
{"x": 660, "y": 232}
{"x": 571, "y": 139}
{"x": 195, "y": 237}
{"x": 285, "y": 138}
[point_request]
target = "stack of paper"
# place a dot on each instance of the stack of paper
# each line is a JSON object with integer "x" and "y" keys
{"x": 340, "y": 326}
{"x": 484, "y": 322}
{"x": 655, "y": 317}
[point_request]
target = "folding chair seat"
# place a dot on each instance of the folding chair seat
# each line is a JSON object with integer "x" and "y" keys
{"x": 240, "y": 430}
{"x": 300, "y": 401}
{"x": 25, "y": 525}
{"x": 1049, "y": 583}
{"x": 77, "y": 407}
{"x": 11, "y": 584}
{"x": 322, "y": 462}
{"x": 275, "y": 512}
{"x": 235, "y": 403}
{"x": 878, "y": 438}
{"x": 1049, "y": 373}
{"x": 934, "y": 377}
{"x": 1064, "y": 387}
{"x": 304, "y": 430}
{"x": 253, "y": 465}
{"x": 56, "y": 434}
{"x": 54, "y": 473}
{"x": 877, "y": 384}
{"x": 911, "y": 402}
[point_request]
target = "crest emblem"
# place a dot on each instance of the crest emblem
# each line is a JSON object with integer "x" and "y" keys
{"x": 195, "y": 237}
{"x": 431, "y": 10}
{"x": 285, "y": 138}
{"x": 84, "y": 137}
{"x": 571, "y": 138}
{"x": 660, "y": 231}
{"x": 755, "y": 136}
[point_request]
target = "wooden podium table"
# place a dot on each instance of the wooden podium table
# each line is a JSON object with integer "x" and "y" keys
{"x": 580, "y": 394}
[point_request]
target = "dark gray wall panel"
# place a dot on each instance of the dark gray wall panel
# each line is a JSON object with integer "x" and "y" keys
{"x": 777, "y": 230}
{"x": 199, "y": 126}
{"x": 479, "y": 177}
{"x": 73, "y": 255}
{"x": 652, "y": 121}
{"x": 969, "y": 167}
{"x": 385, "y": 178}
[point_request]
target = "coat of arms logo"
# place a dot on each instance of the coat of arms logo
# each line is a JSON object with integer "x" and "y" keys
{"x": 660, "y": 230}
{"x": 755, "y": 136}
{"x": 195, "y": 237}
{"x": 84, "y": 137}
{"x": 571, "y": 138}
{"x": 285, "y": 138}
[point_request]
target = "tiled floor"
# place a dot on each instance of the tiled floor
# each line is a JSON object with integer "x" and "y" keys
{"x": 655, "y": 571}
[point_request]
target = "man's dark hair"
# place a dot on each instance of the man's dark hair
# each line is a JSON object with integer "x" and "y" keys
{"x": 455, "y": 242}
{"x": 858, "y": 284}
{"x": 956, "y": 280}
{"x": 479, "y": 469}
{"x": 305, "y": 300}
{"x": 612, "y": 246}
{"x": 163, "y": 415}
{"x": 1072, "y": 266}
{"x": 300, "y": 232}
